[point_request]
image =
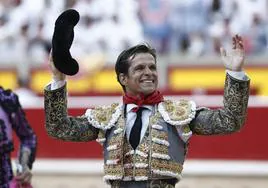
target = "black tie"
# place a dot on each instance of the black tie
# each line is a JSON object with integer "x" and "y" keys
{"x": 135, "y": 133}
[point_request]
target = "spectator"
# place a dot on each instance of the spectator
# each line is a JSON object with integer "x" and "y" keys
{"x": 12, "y": 117}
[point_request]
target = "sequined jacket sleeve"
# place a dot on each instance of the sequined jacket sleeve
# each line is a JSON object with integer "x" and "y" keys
{"x": 61, "y": 126}
{"x": 228, "y": 119}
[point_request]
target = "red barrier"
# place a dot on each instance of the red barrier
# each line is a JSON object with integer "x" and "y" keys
{"x": 249, "y": 144}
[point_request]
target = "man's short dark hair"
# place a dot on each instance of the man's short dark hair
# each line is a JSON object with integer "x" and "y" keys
{"x": 123, "y": 61}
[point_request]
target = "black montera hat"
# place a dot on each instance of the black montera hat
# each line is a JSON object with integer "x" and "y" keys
{"x": 62, "y": 40}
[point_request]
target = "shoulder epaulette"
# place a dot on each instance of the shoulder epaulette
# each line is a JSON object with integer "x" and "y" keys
{"x": 104, "y": 117}
{"x": 179, "y": 112}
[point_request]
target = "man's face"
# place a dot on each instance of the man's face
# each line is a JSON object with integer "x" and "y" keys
{"x": 142, "y": 75}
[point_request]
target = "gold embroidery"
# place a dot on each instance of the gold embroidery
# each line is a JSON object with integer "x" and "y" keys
{"x": 115, "y": 154}
{"x": 184, "y": 102}
{"x": 128, "y": 172}
{"x": 164, "y": 165}
{"x": 159, "y": 134}
{"x": 162, "y": 149}
{"x": 115, "y": 140}
{"x": 179, "y": 110}
{"x": 169, "y": 106}
{"x": 186, "y": 129}
{"x": 103, "y": 114}
{"x": 155, "y": 118}
{"x": 228, "y": 119}
{"x": 141, "y": 172}
{"x": 137, "y": 172}
{"x": 141, "y": 158}
{"x": 113, "y": 170}
{"x": 128, "y": 160}
{"x": 62, "y": 126}
{"x": 144, "y": 146}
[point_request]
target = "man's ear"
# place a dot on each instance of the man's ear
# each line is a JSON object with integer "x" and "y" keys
{"x": 123, "y": 79}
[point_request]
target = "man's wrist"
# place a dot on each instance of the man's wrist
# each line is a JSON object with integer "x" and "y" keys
{"x": 240, "y": 75}
{"x": 61, "y": 77}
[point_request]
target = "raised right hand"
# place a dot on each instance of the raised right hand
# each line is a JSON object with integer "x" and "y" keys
{"x": 56, "y": 74}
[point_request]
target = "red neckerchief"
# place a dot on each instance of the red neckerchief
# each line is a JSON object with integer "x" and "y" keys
{"x": 154, "y": 98}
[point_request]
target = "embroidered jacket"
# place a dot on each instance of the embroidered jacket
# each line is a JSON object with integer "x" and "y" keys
{"x": 12, "y": 117}
{"x": 162, "y": 151}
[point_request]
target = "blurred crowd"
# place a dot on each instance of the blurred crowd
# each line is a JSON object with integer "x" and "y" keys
{"x": 183, "y": 27}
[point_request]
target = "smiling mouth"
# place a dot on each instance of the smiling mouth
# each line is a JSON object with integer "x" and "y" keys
{"x": 147, "y": 81}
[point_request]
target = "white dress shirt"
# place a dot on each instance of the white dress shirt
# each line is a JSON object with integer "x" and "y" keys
{"x": 131, "y": 117}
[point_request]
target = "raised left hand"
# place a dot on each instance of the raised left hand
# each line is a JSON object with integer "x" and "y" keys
{"x": 234, "y": 60}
